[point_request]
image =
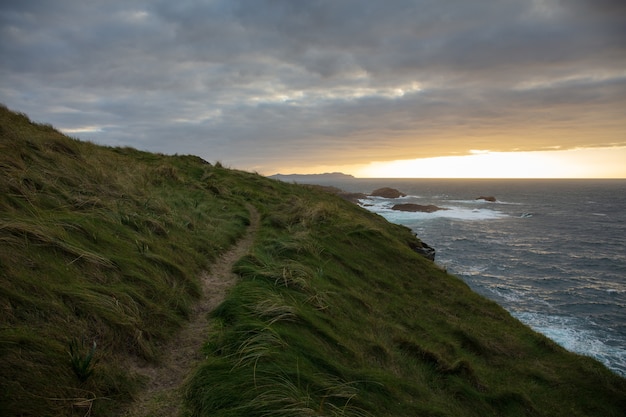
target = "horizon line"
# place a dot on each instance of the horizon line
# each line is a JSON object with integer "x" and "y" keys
{"x": 447, "y": 178}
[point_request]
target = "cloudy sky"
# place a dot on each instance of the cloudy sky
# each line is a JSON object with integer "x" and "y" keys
{"x": 321, "y": 85}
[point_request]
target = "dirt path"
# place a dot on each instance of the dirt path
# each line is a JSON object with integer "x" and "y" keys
{"x": 162, "y": 395}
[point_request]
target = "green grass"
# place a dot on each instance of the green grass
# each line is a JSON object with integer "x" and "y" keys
{"x": 98, "y": 244}
{"x": 333, "y": 314}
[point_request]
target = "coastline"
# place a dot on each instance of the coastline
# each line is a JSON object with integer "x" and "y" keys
{"x": 332, "y": 308}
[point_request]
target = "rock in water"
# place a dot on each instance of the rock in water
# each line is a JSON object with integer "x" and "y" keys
{"x": 387, "y": 192}
{"x": 417, "y": 208}
{"x": 423, "y": 249}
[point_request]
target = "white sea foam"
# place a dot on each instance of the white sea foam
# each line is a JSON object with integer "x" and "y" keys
{"x": 572, "y": 335}
{"x": 470, "y": 270}
{"x": 535, "y": 251}
{"x": 384, "y": 208}
{"x": 484, "y": 202}
{"x": 507, "y": 294}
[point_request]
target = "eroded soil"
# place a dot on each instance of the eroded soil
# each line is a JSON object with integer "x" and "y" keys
{"x": 162, "y": 397}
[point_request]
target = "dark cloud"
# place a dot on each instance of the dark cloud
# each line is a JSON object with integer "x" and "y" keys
{"x": 257, "y": 83}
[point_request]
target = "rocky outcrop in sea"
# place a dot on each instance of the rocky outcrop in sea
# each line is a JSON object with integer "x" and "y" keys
{"x": 387, "y": 192}
{"x": 430, "y": 208}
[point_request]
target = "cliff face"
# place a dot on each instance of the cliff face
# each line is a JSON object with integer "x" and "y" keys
{"x": 333, "y": 313}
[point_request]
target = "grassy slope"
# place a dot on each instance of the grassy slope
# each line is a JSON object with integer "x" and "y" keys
{"x": 97, "y": 244}
{"x": 334, "y": 313}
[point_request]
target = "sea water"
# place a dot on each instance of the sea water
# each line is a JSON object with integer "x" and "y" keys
{"x": 551, "y": 252}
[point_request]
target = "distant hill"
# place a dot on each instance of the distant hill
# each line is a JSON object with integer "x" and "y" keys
{"x": 103, "y": 252}
{"x": 312, "y": 178}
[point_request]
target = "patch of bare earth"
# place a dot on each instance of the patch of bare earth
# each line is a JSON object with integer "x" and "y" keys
{"x": 162, "y": 395}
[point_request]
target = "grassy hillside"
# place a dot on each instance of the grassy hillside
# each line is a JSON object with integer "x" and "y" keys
{"x": 334, "y": 313}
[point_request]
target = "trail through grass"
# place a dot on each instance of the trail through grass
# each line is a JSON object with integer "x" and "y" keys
{"x": 331, "y": 312}
{"x": 162, "y": 395}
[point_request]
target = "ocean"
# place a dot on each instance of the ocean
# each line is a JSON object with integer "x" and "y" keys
{"x": 551, "y": 252}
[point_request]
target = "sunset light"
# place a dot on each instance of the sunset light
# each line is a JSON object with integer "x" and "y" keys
{"x": 577, "y": 163}
{"x": 482, "y": 89}
{"x": 354, "y": 207}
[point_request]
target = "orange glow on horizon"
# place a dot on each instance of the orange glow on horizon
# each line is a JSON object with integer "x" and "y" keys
{"x": 575, "y": 163}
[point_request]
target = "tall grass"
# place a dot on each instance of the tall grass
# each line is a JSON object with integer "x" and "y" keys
{"x": 98, "y": 243}
{"x": 333, "y": 315}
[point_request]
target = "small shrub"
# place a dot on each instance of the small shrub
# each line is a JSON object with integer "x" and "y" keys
{"x": 81, "y": 360}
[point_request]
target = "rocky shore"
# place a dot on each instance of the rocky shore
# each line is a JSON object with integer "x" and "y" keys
{"x": 392, "y": 193}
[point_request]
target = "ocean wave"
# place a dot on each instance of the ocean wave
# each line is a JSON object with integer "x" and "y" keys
{"x": 384, "y": 208}
{"x": 471, "y": 270}
{"x": 484, "y": 202}
{"x": 571, "y": 333}
{"x": 507, "y": 294}
{"x": 544, "y": 249}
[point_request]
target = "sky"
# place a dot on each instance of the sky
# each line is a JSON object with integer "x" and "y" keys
{"x": 394, "y": 88}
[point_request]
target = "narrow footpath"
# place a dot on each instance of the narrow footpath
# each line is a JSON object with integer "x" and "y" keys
{"x": 162, "y": 396}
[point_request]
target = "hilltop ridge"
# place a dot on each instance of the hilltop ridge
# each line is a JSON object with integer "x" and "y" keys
{"x": 102, "y": 252}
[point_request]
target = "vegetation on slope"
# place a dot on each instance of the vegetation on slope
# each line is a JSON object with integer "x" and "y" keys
{"x": 336, "y": 316}
{"x": 97, "y": 245}
{"x": 333, "y": 315}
